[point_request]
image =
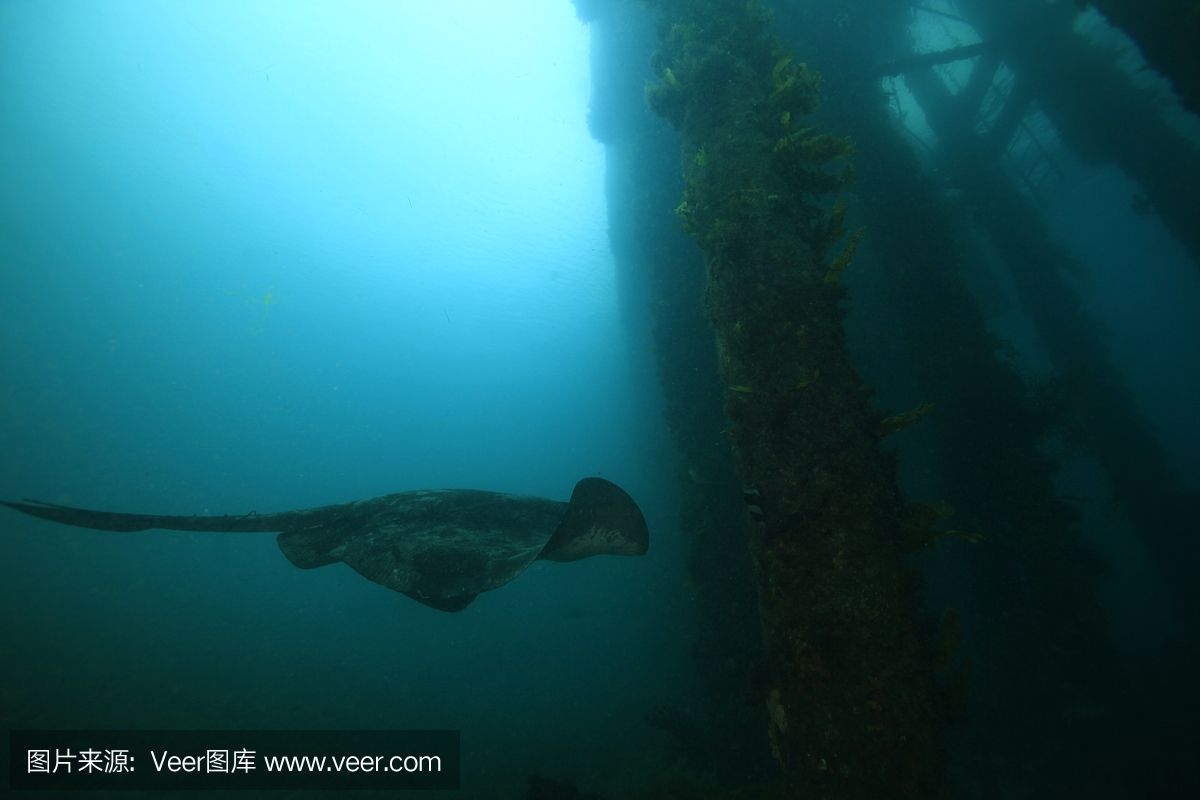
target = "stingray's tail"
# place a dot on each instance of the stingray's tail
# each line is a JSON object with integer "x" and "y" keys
{"x": 110, "y": 521}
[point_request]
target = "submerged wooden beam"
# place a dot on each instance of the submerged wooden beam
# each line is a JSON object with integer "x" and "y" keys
{"x": 947, "y": 56}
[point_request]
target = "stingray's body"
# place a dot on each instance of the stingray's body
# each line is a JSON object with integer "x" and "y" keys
{"x": 441, "y": 548}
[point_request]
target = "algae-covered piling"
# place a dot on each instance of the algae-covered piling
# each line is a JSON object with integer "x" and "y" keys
{"x": 847, "y": 681}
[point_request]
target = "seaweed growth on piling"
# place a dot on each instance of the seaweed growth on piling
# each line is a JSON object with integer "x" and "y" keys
{"x": 847, "y": 683}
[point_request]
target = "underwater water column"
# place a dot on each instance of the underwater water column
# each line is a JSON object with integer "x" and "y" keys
{"x": 1099, "y": 109}
{"x": 1048, "y": 707}
{"x": 848, "y": 683}
{"x": 1040, "y": 648}
{"x": 717, "y": 732}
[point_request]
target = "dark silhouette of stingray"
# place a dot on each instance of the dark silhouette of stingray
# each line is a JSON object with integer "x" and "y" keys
{"x": 441, "y": 548}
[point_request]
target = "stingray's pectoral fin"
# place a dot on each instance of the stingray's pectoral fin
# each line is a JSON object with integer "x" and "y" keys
{"x": 313, "y": 547}
{"x": 310, "y": 548}
{"x": 601, "y": 519}
{"x": 455, "y": 603}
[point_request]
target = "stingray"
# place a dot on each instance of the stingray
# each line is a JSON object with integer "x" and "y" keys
{"x": 441, "y": 548}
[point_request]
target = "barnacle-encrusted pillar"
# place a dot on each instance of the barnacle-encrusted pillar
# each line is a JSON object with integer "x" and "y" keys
{"x": 847, "y": 683}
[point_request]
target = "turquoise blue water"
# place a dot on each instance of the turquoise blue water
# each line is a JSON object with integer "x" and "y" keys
{"x": 271, "y": 256}
{"x": 263, "y": 256}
